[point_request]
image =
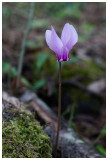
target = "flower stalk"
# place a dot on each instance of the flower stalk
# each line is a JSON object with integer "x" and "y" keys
{"x": 61, "y": 47}
{"x": 59, "y": 111}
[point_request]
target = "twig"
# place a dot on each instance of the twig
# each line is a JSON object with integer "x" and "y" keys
{"x": 21, "y": 58}
{"x": 59, "y": 110}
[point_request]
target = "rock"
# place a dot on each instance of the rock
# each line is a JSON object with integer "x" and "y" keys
{"x": 27, "y": 96}
{"x": 98, "y": 86}
{"x": 70, "y": 145}
{"x": 90, "y": 54}
{"x": 82, "y": 53}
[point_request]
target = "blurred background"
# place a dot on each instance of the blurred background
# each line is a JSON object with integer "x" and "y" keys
{"x": 83, "y": 77}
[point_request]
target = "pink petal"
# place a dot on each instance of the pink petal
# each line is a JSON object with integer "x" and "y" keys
{"x": 69, "y": 36}
{"x": 48, "y": 38}
{"x": 53, "y": 41}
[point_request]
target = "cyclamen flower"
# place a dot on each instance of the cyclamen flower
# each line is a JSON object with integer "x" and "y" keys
{"x": 62, "y": 47}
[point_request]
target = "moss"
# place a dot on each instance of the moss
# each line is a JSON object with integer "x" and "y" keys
{"x": 23, "y": 137}
{"x": 86, "y": 68}
{"x": 80, "y": 95}
{"x": 94, "y": 70}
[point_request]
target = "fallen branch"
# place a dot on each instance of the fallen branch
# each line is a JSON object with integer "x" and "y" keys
{"x": 85, "y": 88}
{"x": 70, "y": 145}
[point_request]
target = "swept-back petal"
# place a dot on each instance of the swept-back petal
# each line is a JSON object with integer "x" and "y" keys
{"x": 69, "y": 36}
{"x": 48, "y": 38}
{"x": 53, "y": 41}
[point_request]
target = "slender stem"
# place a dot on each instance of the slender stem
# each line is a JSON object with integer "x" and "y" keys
{"x": 21, "y": 58}
{"x": 59, "y": 110}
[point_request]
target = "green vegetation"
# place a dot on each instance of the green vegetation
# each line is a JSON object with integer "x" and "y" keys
{"x": 7, "y": 68}
{"x": 101, "y": 149}
{"x": 23, "y": 137}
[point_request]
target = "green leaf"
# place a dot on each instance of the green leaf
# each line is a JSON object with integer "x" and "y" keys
{"x": 39, "y": 84}
{"x": 41, "y": 58}
{"x": 40, "y": 23}
{"x": 25, "y": 82}
{"x": 73, "y": 59}
{"x": 8, "y": 69}
{"x": 5, "y": 67}
{"x": 101, "y": 149}
{"x": 71, "y": 10}
{"x": 6, "y": 11}
{"x": 88, "y": 28}
{"x": 104, "y": 131}
{"x": 82, "y": 38}
{"x": 31, "y": 44}
{"x": 13, "y": 71}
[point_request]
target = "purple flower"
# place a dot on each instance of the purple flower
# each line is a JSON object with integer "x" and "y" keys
{"x": 62, "y": 47}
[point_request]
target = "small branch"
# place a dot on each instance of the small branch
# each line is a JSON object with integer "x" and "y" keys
{"x": 21, "y": 58}
{"x": 59, "y": 110}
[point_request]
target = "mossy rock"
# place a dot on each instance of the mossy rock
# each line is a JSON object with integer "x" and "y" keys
{"x": 23, "y": 137}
